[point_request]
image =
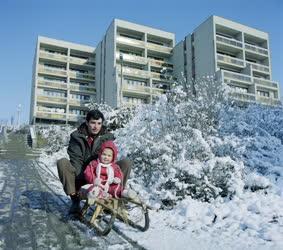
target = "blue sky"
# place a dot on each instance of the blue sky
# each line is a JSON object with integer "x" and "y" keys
{"x": 86, "y": 21}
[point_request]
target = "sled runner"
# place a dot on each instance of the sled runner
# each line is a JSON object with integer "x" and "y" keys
{"x": 100, "y": 214}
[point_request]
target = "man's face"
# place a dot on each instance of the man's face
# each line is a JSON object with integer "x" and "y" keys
{"x": 107, "y": 156}
{"x": 94, "y": 126}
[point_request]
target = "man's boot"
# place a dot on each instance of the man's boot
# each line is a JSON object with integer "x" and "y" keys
{"x": 75, "y": 209}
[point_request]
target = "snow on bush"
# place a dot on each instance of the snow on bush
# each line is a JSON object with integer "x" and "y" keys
{"x": 169, "y": 145}
{"x": 55, "y": 137}
{"x": 202, "y": 146}
{"x": 115, "y": 118}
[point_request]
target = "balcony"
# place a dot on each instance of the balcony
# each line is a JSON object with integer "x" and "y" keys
{"x": 132, "y": 58}
{"x": 84, "y": 76}
{"x": 52, "y": 71}
{"x": 76, "y": 87}
{"x": 75, "y": 117}
{"x": 159, "y": 48}
{"x": 259, "y": 67}
{"x": 266, "y": 83}
{"x": 51, "y": 99}
{"x": 244, "y": 97}
{"x": 52, "y": 84}
{"x": 53, "y": 56}
{"x": 138, "y": 90}
{"x": 161, "y": 77}
{"x": 79, "y": 103}
{"x": 80, "y": 61}
{"x": 49, "y": 115}
{"x": 268, "y": 100}
{"x": 134, "y": 72}
{"x": 160, "y": 64}
{"x": 237, "y": 77}
{"x": 229, "y": 41}
{"x": 130, "y": 41}
{"x": 230, "y": 60}
{"x": 256, "y": 49}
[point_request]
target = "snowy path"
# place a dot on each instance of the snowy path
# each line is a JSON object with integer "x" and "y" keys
{"x": 33, "y": 216}
{"x": 33, "y": 208}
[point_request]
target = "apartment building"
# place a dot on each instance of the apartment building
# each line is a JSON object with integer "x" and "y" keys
{"x": 236, "y": 54}
{"x": 63, "y": 81}
{"x": 133, "y": 64}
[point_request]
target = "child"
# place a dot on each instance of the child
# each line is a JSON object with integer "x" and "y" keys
{"x": 104, "y": 176}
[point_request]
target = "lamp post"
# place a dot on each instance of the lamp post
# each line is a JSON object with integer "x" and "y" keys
{"x": 121, "y": 83}
{"x": 19, "y": 109}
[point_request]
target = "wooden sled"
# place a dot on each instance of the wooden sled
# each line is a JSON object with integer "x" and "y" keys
{"x": 100, "y": 214}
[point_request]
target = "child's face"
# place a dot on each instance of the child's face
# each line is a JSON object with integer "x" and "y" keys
{"x": 107, "y": 156}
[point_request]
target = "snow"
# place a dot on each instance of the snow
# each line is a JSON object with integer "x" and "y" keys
{"x": 213, "y": 185}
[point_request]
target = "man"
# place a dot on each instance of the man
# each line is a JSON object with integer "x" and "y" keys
{"x": 83, "y": 147}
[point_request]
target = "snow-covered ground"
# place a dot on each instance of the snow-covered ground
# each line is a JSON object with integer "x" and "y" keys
{"x": 214, "y": 183}
{"x": 253, "y": 220}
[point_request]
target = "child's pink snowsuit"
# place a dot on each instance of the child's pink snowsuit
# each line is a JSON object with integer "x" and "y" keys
{"x": 108, "y": 177}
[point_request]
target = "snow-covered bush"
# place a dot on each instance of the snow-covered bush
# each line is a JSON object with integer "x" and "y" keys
{"x": 253, "y": 120}
{"x": 168, "y": 143}
{"x": 55, "y": 137}
{"x": 115, "y": 118}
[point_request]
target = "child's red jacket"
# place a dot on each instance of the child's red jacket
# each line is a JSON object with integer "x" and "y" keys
{"x": 103, "y": 175}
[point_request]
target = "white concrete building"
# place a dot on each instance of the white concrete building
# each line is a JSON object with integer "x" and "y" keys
{"x": 133, "y": 64}
{"x": 63, "y": 81}
{"x": 237, "y": 54}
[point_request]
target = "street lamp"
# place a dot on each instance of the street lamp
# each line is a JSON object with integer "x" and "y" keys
{"x": 121, "y": 83}
{"x": 19, "y": 109}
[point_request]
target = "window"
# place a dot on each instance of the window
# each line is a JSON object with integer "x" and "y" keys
{"x": 263, "y": 93}
{"x": 54, "y": 93}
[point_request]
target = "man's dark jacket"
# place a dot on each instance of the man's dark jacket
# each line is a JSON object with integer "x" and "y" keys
{"x": 80, "y": 152}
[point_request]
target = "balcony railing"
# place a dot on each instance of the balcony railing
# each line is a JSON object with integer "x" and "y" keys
{"x": 229, "y": 41}
{"x": 52, "y": 84}
{"x": 132, "y": 71}
{"x": 136, "y": 89}
{"x": 54, "y": 71}
{"x": 132, "y": 58}
{"x": 130, "y": 41}
{"x": 75, "y": 117}
{"x": 53, "y": 56}
{"x": 80, "y": 61}
{"x": 245, "y": 97}
{"x": 266, "y": 83}
{"x": 84, "y": 76}
{"x": 237, "y": 77}
{"x": 76, "y": 87}
{"x": 268, "y": 100}
{"x": 52, "y": 99}
{"x": 159, "y": 63}
{"x": 256, "y": 49}
{"x": 230, "y": 60}
{"x": 49, "y": 115}
{"x": 159, "y": 48}
{"x": 161, "y": 77}
{"x": 259, "y": 67}
{"x": 76, "y": 102}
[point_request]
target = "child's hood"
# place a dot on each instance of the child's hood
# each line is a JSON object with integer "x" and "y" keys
{"x": 111, "y": 145}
